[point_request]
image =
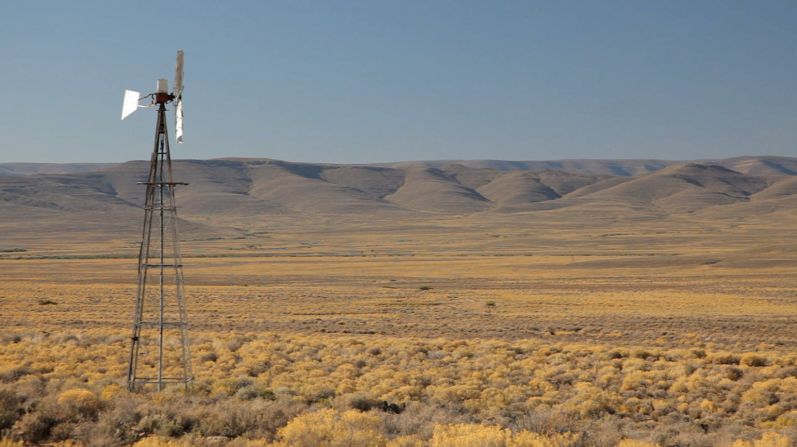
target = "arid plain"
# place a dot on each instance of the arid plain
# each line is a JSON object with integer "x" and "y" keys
{"x": 590, "y": 304}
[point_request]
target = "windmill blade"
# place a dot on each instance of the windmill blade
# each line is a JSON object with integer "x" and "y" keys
{"x": 178, "y": 98}
{"x": 178, "y": 120}
{"x": 130, "y": 103}
{"x": 178, "y": 75}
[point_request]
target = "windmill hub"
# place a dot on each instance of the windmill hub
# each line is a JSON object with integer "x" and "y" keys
{"x": 163, "y": 98}
{"x": 162, "y": 95}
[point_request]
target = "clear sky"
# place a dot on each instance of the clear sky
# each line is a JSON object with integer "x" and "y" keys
{"x": 351, "y": 81}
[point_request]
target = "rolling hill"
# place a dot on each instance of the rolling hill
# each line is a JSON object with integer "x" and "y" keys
{"x": 223, "y": 191}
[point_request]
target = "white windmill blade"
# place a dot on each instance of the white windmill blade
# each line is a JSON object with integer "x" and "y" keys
{"x": 178, "y": 98}
{"x": 178, "y": 75}
{"x": 130, "y": 103}
{"x": 178, "y": 121}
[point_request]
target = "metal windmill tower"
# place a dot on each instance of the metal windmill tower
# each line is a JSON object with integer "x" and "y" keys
{"x": 159, "y": 352}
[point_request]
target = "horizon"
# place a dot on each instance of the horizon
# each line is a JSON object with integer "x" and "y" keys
{"x": 675, "y": 160}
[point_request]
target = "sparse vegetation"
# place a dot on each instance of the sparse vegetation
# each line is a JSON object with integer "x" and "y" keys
{"x": 593, "y": 341}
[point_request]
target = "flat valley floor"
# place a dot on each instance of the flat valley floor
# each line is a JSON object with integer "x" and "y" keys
{"x": 672, "y": 285}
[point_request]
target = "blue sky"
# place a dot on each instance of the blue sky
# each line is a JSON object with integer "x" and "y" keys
{"x": 372, "y": 81}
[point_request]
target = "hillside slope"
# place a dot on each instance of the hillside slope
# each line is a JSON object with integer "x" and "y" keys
{"x": 238, "y": 190}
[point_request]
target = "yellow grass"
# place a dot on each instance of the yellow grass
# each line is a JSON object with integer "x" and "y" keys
{"x": 479, "y": 333}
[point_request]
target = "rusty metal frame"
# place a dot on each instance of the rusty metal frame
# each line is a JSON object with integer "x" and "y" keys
{"x": 159, "y": 205}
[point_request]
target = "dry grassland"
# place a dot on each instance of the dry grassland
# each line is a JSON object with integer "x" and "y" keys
{"x": 444, "y": 332}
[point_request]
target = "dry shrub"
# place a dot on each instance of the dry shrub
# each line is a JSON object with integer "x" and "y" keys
{"x": 470, "y": 435}
{"x": 165, "y": 423}
{"x": 79, "y": 402}
{"x": 157, "y": 441}
{"x": 419, "y": 420}
{"x": 636, "y": 443}
{"x": 253, "y": 419}
{"x": 34, "y": 427}
{"x": 528, "y": 439}
{"x": 334, "y": 429}
{"x": 786, "y": 420}
{"x": 15, "y": 373}
{"x": 227, "y": 420}
{"x": 769, "y": 439}
{"x": 475, "y": 435}
{"x": 237, "y": 442}
{"x": 111, "y": 392}
{"x": 209, "y": 357}
{"x": 63, "y": 431}
{"x": 734, "y": 373}
{"x": 406, "y": 441}
{"x": 754, "y": 360}
{"x": 230, "y": 386}
{"x": 115, "y": 425}
{"x": 10, "y": 443}
{"x": 547, "y": 422}
{"x": 361, "y": 402}
{"x": 725, "y": 358}
{"x": 9, "y": 409}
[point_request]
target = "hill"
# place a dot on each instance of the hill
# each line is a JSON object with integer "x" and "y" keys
{"x": 240, "y": 193}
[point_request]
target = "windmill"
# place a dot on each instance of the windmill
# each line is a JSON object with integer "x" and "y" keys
{"x": 159, "y": 352}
